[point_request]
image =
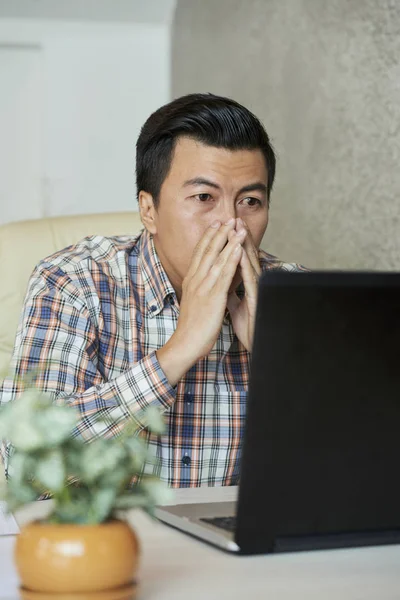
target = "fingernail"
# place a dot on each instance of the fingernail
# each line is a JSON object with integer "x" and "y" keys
{"x": 238, "y": 248}
{"x": 240, "y": 222}
{"x": 230, "y": 221}
{"x": 216, "y": 224}
{"x": 241, "y": 232}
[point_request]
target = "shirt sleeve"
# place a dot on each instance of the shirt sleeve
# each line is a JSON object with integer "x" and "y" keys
{"x": 56, "y": 344}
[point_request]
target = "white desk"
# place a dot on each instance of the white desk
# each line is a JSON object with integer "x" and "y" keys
{"x": 177, "y": 567}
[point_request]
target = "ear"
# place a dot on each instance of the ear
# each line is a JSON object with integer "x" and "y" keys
{"x": 148, "y": 212}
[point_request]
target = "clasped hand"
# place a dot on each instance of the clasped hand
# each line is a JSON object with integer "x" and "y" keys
{"x": 225, "y": 250}
{"x": 225, "y": 255}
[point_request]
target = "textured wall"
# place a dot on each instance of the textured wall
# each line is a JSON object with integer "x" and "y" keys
{"x": 325, "y": 79}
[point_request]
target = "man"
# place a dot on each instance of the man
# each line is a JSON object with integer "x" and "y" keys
{"x": 115, "y": 325}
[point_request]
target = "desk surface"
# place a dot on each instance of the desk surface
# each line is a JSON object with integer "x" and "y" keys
{"x": 177, "y": 567}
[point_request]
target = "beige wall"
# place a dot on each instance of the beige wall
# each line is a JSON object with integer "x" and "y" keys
{"x": 325, "y": 79}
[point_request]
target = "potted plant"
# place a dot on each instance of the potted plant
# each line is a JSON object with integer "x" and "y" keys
{"x": 82, "y": 546}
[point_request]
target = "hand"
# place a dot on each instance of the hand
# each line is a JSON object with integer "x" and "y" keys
{"x": 204, "y": 299}
{"x": 243, "y": 312}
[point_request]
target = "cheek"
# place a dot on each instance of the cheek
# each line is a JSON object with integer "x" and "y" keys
{"x": 194, "y": 227}
{"x": 186, "y": 236}
{"x": 257, "y": 228}
{"x": 178, "y": 226}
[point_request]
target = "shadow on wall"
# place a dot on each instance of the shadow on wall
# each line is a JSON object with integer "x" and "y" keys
{"x": 323, "y": 77}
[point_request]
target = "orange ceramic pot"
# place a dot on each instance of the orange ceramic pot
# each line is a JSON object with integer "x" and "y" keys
{"x": 66, "y": 559}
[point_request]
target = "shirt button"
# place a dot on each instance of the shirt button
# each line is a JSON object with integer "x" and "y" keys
{"x": 153, "y": 308}
{"x": 186, "y": 460}
{"x": 171, "y": 301}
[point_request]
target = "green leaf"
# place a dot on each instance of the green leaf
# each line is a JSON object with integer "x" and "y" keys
{"x": 3, "y": 489}
{"x": 132, "y": 500}
{"x": 21, "y": 467}
{"x": 100, "y": 457}
{"x": 6, "y": 422}
{"x": 57, "y": 422}
{"x": 19, "y": 494}
{"x": 73, "y": 454}
{"x": 117, "y": 478}
{"x": 157, "y": 491}
{"x": 138, "y": 451}
{"x": 101, "y": 505}
{"x": 31, "y": 422}
{"x": 154, "y": 420}
{"x": 130, "y": 428}
{"x": 72, "y": 505}
{"x": 46, "y": 456}
{"x": 71, "y": 512}
{"x": 50, "y": 470}
{"x": 25, "y": 436}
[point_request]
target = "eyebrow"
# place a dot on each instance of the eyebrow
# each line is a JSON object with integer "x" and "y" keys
{"x": 257, "y": 186}
{"x": 201, "y": 181}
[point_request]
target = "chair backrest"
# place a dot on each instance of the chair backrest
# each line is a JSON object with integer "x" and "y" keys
{"x": 23, "y": 244}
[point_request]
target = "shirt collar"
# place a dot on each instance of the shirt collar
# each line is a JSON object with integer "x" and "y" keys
{"x": 156, "y": 283}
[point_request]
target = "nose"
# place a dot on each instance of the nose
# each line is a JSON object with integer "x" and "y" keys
{"x": 227, "y": 213}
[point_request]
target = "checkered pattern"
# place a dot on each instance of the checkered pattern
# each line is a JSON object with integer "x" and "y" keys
{"x": 94, "y": 316}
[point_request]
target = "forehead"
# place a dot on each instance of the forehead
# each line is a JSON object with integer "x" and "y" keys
{"x": 192, "y": 158}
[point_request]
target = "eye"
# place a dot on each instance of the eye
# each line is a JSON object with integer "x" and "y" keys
{"x": 203, "y": 197}
{"x": 250, "y": 201}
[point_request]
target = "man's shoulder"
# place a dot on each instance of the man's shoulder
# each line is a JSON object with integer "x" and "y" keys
{"x": 270, "y": 262}
{"x": 95, "y": 249}
{"x": 80, "y": 269}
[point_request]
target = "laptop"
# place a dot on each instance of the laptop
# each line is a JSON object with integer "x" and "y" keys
{"x": 321, "y": 451}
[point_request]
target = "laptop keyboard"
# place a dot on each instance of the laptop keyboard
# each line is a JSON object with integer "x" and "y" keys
{"x": 227, "y": 523}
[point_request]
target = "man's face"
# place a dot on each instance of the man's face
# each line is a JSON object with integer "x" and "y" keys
{"x": 206, "y": 184}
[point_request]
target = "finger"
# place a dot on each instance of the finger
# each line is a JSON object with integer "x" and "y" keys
{"x": 221, "y": 273}
{"x": 250, "y": 278}
{"x": 231, "y": 234}
{"x": 218, "y": 250}
{"x": 249, "y": 246}
{"x": 233, "y": 302}
{"x": 205, "y": 240}
{"x": 209, "y": 247}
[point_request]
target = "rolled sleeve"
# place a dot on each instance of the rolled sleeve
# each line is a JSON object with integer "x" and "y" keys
{"x": 56, "y": 340}
{"x": 105, "y": 409}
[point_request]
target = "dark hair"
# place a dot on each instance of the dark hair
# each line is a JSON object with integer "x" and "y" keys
{"x": 209, "y": 119}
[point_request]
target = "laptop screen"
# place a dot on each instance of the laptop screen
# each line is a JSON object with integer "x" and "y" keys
{"x": 322, "y": 444}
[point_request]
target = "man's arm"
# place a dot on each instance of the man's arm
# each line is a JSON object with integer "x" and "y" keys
{"x": 204, "y": 298}
{"x": 57, "y": 343}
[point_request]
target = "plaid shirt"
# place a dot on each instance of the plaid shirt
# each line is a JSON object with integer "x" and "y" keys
{"x": 94, "y": 316}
